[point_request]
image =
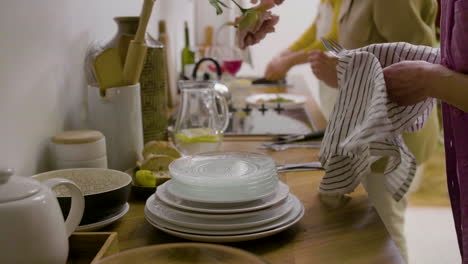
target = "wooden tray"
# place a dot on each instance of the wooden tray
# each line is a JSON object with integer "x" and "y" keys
{"x": 90, "y": 247}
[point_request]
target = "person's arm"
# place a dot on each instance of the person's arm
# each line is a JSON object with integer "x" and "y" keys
{"x": 410, "y": 82}
{"x": 451, "y": 87}
{"x": 280, "y": 65}
{"x": 402, "y": 20}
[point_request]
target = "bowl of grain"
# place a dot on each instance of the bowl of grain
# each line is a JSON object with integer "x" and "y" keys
{"x": 106, "y": 191}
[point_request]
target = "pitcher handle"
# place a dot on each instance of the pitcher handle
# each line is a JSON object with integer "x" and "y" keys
{"x": 77, "y": 203}
{"x": 224, "y": 115}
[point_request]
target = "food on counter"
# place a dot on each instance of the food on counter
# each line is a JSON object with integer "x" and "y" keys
{"x": 157, "y": 157}
{"x": 161, "y": 148}
{"x": 145, "y": 178}
{"x": 275, "y": 100}
{"x": 156, "y": 162}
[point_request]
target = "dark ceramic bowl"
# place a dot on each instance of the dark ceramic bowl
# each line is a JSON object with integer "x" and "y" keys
{"x": 106, "y": 191}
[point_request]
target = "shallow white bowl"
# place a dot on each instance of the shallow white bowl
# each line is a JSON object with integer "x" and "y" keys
{"x": 228, "y": 194}
{"x": 222, "y": 169}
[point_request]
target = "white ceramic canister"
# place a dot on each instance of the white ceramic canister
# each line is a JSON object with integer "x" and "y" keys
{"x": 78, "y": 149}
{"x": 118, "y": 116}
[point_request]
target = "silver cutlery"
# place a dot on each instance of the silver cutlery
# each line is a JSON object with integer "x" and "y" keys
{"x": 315, "y": 165}
{"x": 332, "y": 46}
{"x": 294, "y": 138}
{"x": 280, "y": 147}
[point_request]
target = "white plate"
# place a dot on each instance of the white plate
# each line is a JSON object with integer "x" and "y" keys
{"x": 233, "y": 195}
{"x": 232, "y": 238}
{"x": 214, "y": 208}
{"x": 176, "y": 218}
{"x": 103, "y": 223}
{"x": 259, "y": 99}
{"x": 153, "y": 200}
{"x": 290, "y": 216}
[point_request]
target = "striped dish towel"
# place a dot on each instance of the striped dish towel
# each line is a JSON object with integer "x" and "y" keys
{"x": 365, "y": 126}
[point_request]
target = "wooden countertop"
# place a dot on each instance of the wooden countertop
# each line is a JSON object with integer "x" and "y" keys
{"x": 353, "y": 234}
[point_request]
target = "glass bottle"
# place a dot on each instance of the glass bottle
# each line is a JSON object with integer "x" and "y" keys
{"x": 187, "y": 55}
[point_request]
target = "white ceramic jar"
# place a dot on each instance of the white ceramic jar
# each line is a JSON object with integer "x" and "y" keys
{"x": 78, "y": 149}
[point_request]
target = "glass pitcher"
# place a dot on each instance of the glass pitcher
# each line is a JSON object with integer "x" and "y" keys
{"x": 202, "y": 118}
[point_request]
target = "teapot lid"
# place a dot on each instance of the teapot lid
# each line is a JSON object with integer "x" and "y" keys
{"x": 16, "y": 188}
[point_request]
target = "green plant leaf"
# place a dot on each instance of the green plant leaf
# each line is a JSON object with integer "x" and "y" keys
{"x": 217, "y": 5}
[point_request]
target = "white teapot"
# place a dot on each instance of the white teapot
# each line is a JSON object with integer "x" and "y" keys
{"x": 32, "y": 228}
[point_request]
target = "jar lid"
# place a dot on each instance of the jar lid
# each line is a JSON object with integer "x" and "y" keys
{"x": 16, "y": 188}
{"x": 77, "y": 137}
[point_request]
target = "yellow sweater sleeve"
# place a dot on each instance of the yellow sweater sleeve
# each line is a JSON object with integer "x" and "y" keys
{"x": 308, "y": 41}
{"x": 307, "y": 38}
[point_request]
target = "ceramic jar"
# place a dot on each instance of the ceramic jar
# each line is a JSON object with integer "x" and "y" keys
{"x": 78, "y": 149}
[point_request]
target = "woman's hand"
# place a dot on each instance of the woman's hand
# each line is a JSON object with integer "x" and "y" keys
{"x": 277, "y": 68}
{"x": 324, "y": 67}
{"x": 409, "y": 82}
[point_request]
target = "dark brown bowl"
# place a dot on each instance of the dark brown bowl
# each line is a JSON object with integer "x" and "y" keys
{"x": 105, "y": 191}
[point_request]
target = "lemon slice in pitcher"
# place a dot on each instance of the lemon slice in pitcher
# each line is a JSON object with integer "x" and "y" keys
{"x": 198, "y": 135}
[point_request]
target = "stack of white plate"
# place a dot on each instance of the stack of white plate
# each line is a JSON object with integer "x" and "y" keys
{"x": 223, "y": 197}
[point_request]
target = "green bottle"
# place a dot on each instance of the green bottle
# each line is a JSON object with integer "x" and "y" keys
{"x": 188, "y": 56}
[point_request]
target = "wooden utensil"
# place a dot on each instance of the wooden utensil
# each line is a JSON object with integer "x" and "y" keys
{"x": 137, "y": 49}
{"x": 108, "y": 69}
{"x": 124, "y": 43}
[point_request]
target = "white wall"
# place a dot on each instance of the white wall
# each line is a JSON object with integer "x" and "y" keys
{"x": 42, "y": 49}
{"x": 42, "y": 84}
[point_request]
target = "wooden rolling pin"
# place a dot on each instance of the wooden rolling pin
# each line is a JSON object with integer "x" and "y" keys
{"x": 137, "y": 50}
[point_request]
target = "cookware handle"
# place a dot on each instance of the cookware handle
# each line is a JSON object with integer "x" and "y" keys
{"x": 77, "y": 203}
{"x": 219, "y": 71}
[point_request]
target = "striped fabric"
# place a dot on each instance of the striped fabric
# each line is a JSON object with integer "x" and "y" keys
{"x": 365, "y": 126}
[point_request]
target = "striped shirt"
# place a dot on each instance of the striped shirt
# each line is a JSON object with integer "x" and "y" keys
{"x": 365, "y": 125}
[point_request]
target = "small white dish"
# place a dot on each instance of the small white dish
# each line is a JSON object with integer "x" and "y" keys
{"x": 176, "y": 218}
{"x": 228, "y": 238}
{"x": 272, "y": 100}
{"x": 103, "y": 223}
{"x": 290, "y": 216}
{"x": 216, "y": 208}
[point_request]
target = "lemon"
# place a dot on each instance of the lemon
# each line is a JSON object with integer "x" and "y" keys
{"x": 145, "y": 178}
{"x": 198, "y": 135}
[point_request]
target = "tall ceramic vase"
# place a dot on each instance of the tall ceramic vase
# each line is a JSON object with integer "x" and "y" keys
{"x": 153, "y": 81}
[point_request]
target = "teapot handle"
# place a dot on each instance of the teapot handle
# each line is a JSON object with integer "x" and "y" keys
{"x": 77, "y": 204}
{"x": 224, "y": 115}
